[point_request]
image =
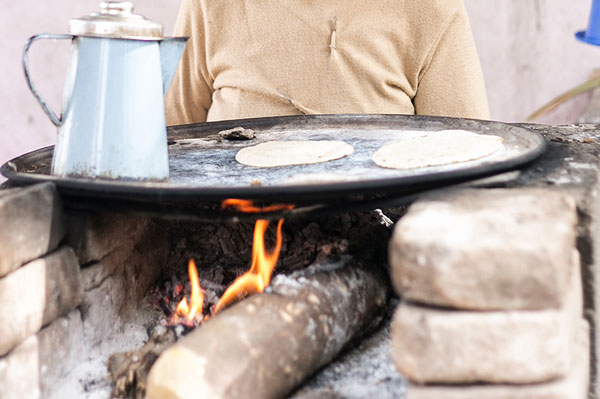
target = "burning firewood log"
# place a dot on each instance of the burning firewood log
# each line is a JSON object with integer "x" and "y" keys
{"x": 266, "y": 345}
{"x": 129, "y": 370}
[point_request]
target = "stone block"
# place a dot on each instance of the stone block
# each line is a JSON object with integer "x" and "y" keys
{"x": 19, "y": 372}
{"x": 64, "y": 290}
{"x": 37, "y": 294}
{"x": 115, "y": 285}
{"x": 573, "y": 386}
{"x": 436, "y": 346}
{"x": 101, "y": 307}
{"x": 39, "y": 364}
{"x": 32, "y": 223}
{"x": 495, "y": 249}
{"x": 95, "y": 235}
{"x": 61, "y": 346}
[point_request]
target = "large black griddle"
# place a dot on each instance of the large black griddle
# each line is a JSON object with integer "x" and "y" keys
{"x": 203, "y": 170}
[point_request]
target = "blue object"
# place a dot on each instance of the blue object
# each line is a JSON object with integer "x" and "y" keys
{"x": 592, "y": 34}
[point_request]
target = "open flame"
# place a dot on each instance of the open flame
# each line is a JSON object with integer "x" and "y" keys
{"x": 192, "y": 312}
{"x": 249, "y": 207}
{"x": 259, "y": 276}
{"x": 254, "y": 280}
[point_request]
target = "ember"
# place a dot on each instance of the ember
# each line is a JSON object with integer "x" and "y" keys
{"x": 184, "y": 303}
{"x": 191, "y": 313}
{"x": 253, "y": 281}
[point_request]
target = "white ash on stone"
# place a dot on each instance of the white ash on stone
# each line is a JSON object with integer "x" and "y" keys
{"x": 90, "y": 379}
{"x": 365, "y": 371}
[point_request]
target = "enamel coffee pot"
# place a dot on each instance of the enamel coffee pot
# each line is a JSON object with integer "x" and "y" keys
{"x": 112, "y": 124}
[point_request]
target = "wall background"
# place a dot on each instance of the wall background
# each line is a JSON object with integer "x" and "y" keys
{"x": 529, "y": 54}
{"x": 527, "y": 50}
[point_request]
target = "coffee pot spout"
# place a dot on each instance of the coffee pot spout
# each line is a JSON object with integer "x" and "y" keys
{"x": 171, "y": 49}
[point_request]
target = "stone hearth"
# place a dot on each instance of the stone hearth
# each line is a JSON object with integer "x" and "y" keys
{"x": 74, "y": 285}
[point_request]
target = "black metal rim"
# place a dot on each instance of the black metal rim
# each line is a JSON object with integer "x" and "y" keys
{"x": 141, "y": 192}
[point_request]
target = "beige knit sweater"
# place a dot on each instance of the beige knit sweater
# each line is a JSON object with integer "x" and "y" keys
{"x": 250, "y": 58}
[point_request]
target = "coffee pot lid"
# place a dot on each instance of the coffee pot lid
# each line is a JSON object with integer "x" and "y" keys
{"x": 116, "y": 20}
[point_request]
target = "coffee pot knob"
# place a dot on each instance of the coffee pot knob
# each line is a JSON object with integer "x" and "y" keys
{"x": 116, "y": 7}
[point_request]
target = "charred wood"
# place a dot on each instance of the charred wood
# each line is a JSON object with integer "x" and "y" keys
{"x": 269, "y": 343}
{"x": 129, "y": 370}
{"x": 225, "y": 249}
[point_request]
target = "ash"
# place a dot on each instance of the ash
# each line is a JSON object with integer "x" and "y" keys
{"x": 365, "y": 371}
{"x": 90, "y": 378}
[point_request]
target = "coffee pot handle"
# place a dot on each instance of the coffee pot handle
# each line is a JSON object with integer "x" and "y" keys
{"x": 55, "y": 119}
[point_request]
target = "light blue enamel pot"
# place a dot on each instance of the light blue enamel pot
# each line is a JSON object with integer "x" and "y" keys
{"x": 112, "y": 122}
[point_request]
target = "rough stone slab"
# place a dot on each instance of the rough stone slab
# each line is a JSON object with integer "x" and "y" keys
{"x": 95, "y": 235}
{"x": 32, "y": 224}
{"x": 570, "y": 163}
{"x": 64, "y": 290}
{"x": 485, "y": 249}
{"x": 61, "y": 346}
{"x": 101, "y": 306}
{"x": 432, "y": 346}
{"x": 114, "y": 286}
{"x": 573, "y": 386}
{"x": 36, "y": 294}
{"x": 19, "y": 372}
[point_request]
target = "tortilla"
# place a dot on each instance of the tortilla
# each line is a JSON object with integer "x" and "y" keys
{"x": 288, "y": 153}
{"x": 437, "y": 148}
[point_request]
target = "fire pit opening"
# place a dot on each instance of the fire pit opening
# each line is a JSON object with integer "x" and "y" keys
{"x": 141, "y": 284}
{"x": 90, "y": 297}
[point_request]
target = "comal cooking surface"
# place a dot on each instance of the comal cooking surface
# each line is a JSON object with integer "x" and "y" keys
{"x": 203, "y": 168}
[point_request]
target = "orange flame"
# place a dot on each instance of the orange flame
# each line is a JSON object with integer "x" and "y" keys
{"x": 255, "y": 280}
{"x": 192, "y": 312}
{"x": 259, "y": 275}
{"x": 247, "y": 206}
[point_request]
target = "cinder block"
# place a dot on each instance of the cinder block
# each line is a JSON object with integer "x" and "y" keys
{"x": 496, "y": 249}
{"x": 31, "y": 224}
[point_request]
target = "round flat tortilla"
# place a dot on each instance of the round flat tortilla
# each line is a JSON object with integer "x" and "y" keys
{"x": 288, "y": 153}
{"x": 437, "y": 148}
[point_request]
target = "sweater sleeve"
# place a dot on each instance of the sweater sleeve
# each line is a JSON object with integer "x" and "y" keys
{"x": 190, "y": 95}
{"x": 451, "y": 81}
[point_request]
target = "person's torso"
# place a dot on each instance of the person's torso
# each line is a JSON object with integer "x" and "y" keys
{"x": 278, "y": 57}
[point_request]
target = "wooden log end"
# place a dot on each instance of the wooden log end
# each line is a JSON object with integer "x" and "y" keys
{"x": 269, "y": 343}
